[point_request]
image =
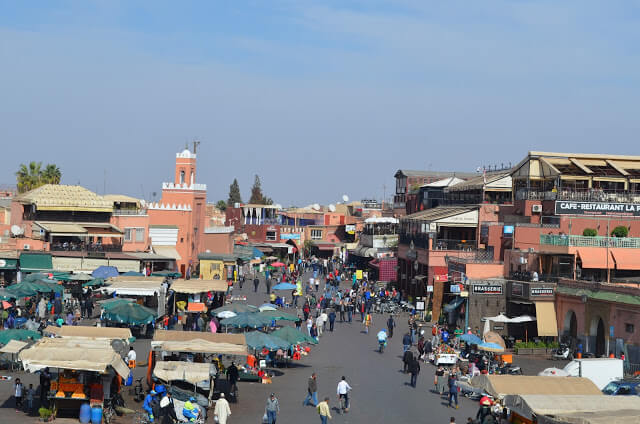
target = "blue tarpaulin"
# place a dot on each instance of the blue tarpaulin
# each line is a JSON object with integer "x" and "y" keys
{"x": 105, "y": 272}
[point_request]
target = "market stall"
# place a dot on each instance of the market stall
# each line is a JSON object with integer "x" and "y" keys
{"x": 500, "y": 386}
{"x": 196, "y": 296}
{"x": 577, "y": 409}
{"x": 101, "y": 333}
{"x": 146, "y": 291}
{"x": 86, "y": 370}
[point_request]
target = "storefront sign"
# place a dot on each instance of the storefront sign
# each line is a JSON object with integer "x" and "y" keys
{"x": 419, "y": 305}
{"x": 597, "y": 208}
{"x": 429, "y": 289}
{"x": 516, "y": 289}
{"x": 541, "y": 291}
{"x": 487, "y": 289}
{"x": 454, "y": 288}
{"x": 289, "y": 236}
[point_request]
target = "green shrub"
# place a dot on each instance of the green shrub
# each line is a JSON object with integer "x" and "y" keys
{"x": 44, "y": 413}
{"x": 590, "y": 232}
{"x": 620, "y": 231}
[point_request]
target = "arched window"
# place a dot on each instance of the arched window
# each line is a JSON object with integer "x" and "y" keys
{"x": 181, "y": 177}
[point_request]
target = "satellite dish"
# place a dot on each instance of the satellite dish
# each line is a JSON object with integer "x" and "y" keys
{"x": 316, "y": 206}
{"x": 332, "y": 208}
{"x": 118, "y": 345}
{"x": 16, "y": 230}
{"x": 345, "y": 198}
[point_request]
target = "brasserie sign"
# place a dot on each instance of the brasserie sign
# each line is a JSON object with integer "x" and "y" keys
{"x": 487, "y": 289}
{"x": 597, "y": 208}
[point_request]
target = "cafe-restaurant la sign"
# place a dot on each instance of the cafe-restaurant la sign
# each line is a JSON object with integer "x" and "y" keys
{"x": 597, "y": 208}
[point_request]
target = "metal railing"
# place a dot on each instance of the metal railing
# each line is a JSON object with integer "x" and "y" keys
{"x": 81, "y": 247}
{"x": 584, "y": 241}
{"x": 419, "y": 241}
{"x": 589, "y": 195}
{"x": 476, "y": 256}
{"x": 127, "y": 212}
{"x": 448, "y": 244}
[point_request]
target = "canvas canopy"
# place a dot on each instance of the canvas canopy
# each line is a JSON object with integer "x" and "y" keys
{"x": 107, "y": 333}
{"x": 198, "y": 286}
{"x": 499, "y": 386}
{"x": 624, "y": 416}
{"x": 14, "y": 346}
{"x": 198, "y": 342}
{"x": 135, "y": 287}
{"x": 182, "y": 371}
{"x": 529, "y": 405}
{"x": 73, "y": 353}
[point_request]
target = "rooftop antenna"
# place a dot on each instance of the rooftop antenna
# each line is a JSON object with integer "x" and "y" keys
{"x": 196, "y": 143}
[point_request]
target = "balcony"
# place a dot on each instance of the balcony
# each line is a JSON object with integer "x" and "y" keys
{"x": 580, "y": 196}
{"x": 420, "y": 241}
{"x": 379, "y": 240}
{"x": 448, "y": 244}
{"x": 129, "y": 212}
{"x": 583, "y": 241}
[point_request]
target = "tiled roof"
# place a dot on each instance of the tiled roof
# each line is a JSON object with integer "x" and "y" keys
{"x": 65, "y": 197}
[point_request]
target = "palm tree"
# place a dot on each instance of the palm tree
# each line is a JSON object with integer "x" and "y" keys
{"x": 32, "y": 176}
{"x": 51, "y": 174}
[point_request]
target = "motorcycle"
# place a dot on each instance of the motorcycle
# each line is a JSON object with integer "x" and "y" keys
{"x": 563, "y": 352}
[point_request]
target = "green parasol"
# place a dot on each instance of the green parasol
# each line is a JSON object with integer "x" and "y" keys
{"x": 247, "y": 320}
{"x": 293, "y": 336}
{"x": 260, "y": 340}
{"x": 94, "y": 282}
{"x": 22, "y": 335}
{"x": 278, "y": 315}
{"x": 31, "y": 288}
{"x": 129, "y": 313}
{"x": 110, "y": 303}
{"x": 170, "y": 274}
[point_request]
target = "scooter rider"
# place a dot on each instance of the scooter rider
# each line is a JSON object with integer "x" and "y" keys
{"x": 382, "y": 339}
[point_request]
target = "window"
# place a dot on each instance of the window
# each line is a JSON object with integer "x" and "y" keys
{"x": 128, "y": 234}
{"x": 628, "y": 327}
{"x": 271, "y": 235}
{"x": 316, "y": 234}
{"x": 140, "y": 234}
{"x": 181, "y": 177}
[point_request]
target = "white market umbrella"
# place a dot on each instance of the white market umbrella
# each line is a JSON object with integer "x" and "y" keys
{"x": 226, "y": 314}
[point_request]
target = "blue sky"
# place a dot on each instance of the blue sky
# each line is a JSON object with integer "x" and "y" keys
{"x": 318, "y": 98}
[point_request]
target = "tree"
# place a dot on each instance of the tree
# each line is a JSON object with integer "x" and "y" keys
{"x": 234, "y": 193}
{"x": 257, "y": 198}
{"x": 590, "y": 232}
{"x": 51, "y": 174}
{"x": 33, "y": 176}
{"x": 222, "y": 205}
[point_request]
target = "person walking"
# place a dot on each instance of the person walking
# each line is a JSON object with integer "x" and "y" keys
{"x": 453, "y": 390}
{"x": 343, "y": 393}
{"x": 332, "y": 319}
{"x": 324, "y": 411}
{"x": 407, "y": 358}
{"x": 222, "y": 411}
{"x": 18, "y": 390}
{"x": 45, "y": 386}
{"x": 256, "y": 283}
{"x": 312, "y": 391}
{"x": 406, "y": 342}
{"x": 439, "y": 380}
{"x": 309, "y": 325}
{"x": 272, "y": 409}
{"x": 368, "y": 321}
{"x": 342, "y": 309}
{"x": 131, "y": 358}
{"x": 414, "y": 368}
{"x": 391, "y": 324}
{"x": 268, "y": 283}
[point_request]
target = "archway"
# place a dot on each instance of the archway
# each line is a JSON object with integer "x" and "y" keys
{"x": 570, "y": 325}
{"x": 598, "y": 334}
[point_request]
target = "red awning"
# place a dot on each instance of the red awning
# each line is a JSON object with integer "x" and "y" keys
{"x": 595, "y": 258}
{"x": 626, "y": 259}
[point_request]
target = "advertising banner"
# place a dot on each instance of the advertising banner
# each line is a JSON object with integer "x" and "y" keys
{"x": 597, "y": 208}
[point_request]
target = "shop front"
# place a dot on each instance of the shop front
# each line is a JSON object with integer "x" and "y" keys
{"x": 8, "y": 267}
{"x": 487, "y": 298}
{"x": 536, "y": 300}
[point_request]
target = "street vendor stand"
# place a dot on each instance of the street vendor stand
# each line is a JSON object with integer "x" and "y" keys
{"x": 195, "y": 291}
{"x": 146, "y": 291}
{"x": 585, "y": 409}
{"x": 500, "y": 386}
{"x": 13, "y": 348}
{"x": 89, "y": 367}
{"x": 196, "y": 345}
{"x": 100, "y": 333}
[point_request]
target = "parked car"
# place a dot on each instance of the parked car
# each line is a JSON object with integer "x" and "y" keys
{"x": 622, "y": 388}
